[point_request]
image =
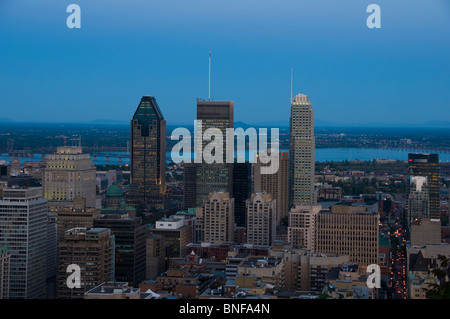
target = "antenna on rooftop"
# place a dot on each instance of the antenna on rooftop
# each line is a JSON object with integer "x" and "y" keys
{"x": 292, "y": 80}
{"x": 209, "y": 78}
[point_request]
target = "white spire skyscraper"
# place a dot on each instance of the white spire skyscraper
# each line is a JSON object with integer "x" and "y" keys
{"x": 302, "y": 152}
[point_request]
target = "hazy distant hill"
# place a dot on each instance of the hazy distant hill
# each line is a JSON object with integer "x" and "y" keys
{"x": 280, "y": 124}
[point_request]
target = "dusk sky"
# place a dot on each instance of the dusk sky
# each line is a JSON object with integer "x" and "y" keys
{"x": 126, "y": 49}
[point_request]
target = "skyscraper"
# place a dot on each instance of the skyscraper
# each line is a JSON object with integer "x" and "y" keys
{"x": 218, "y": 212}
{"x": 148, "y": 156}
{"x": 23, "y": 226}
{"x": 276, "y": 184}
{"x": 422, "y": 229}
{"x": 69, "y": 174}
{"x": 130, "y": 243}
{"x": 242, "y": 189}
{"x": 215, "y": 177}
{"x": 52, "y": 250}
{"x": 261, "y": 219}
{"x": 418, "y": 199}
{"x": 428, "y": 165}
{"x": 5, "y": 261}
{"x": 302, "y": 152}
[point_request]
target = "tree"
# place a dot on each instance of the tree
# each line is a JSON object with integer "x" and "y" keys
{"x": 441, "y": 289}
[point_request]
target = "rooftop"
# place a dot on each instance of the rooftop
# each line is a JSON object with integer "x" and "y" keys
{"x": 109, "y": 288}
{"x": 261, "y": 262}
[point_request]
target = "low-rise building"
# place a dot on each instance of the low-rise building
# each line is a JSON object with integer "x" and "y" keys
{"x": 269, "y": 270}
{"x": 116, "y": 290}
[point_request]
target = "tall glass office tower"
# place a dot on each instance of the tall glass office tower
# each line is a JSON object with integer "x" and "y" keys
{"x": 427, "y": 165}
{"x": 302, "y": 152}
{"x": 148, "y": 156}
{"x": 215, "y": 177}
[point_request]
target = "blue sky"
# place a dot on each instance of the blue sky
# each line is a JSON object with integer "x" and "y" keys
{"x": 126, "y": 49}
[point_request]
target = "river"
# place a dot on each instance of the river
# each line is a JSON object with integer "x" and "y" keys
{"x": 322, "y": 155}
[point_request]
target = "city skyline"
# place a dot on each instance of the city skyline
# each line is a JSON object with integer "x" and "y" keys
{"x": 396, "y": 72}
{"x": 346, "y": 198}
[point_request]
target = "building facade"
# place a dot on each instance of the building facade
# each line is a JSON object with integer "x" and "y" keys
{"x": 23, "y": 227}
{"x": 428, "y": 165}
{"x": 92, "y": 249}
{"x": 276, "y": 184}
{"x": 303, "y": 225}
{"x": 242, "y": 189}
{"x": 130, "y": 246}
{"x": 261, "y": 219}
{"x": 418, "y": 205}
{"x": 176, "y": 236}
{"x": 190, "y": 185}
{"x": 148, "y": 156}
{"x": 352, "y": 234}
{"x": 218, "y": 218}
{"x": 69, "y": 174}
{"x": 214, "y": 177}
{"x": 5, "y": 262}
{"x": 77, "y": 216}
{"x": 302, "y": 152}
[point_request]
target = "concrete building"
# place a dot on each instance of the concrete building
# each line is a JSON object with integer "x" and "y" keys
{"x": 155, "y": 256}
{"x": 347, "y": 282}
{"x": 269, "y": 270}
{"x": 328, "y": 193}
{"x": 261, "y": 219}
{"x": 76, "y": 216}
{"x": 276, "y": 184}
{"x": 52, "y": 250}
{"x": 187, "y": 281}
{"x": 425, "y": 232}
{"x": 302, "y": 152}
{"x": 348, "y": 208}
{"x": 23, "y": 227}
{"x": 176, "y": 236}
{"x": 130, "y": 246}
{"x": 218, "y": 218}
{"x": 355, "y": 234}
{"x": 116, "y": 290}
{"x": 5, "y": 264}
{"x": 92, "y": 249}
{"x": 306, "y": 271}
{"x": 206, "y": 250}
{"x": 69, "y": 174}
{"x": 302, "y": 226}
